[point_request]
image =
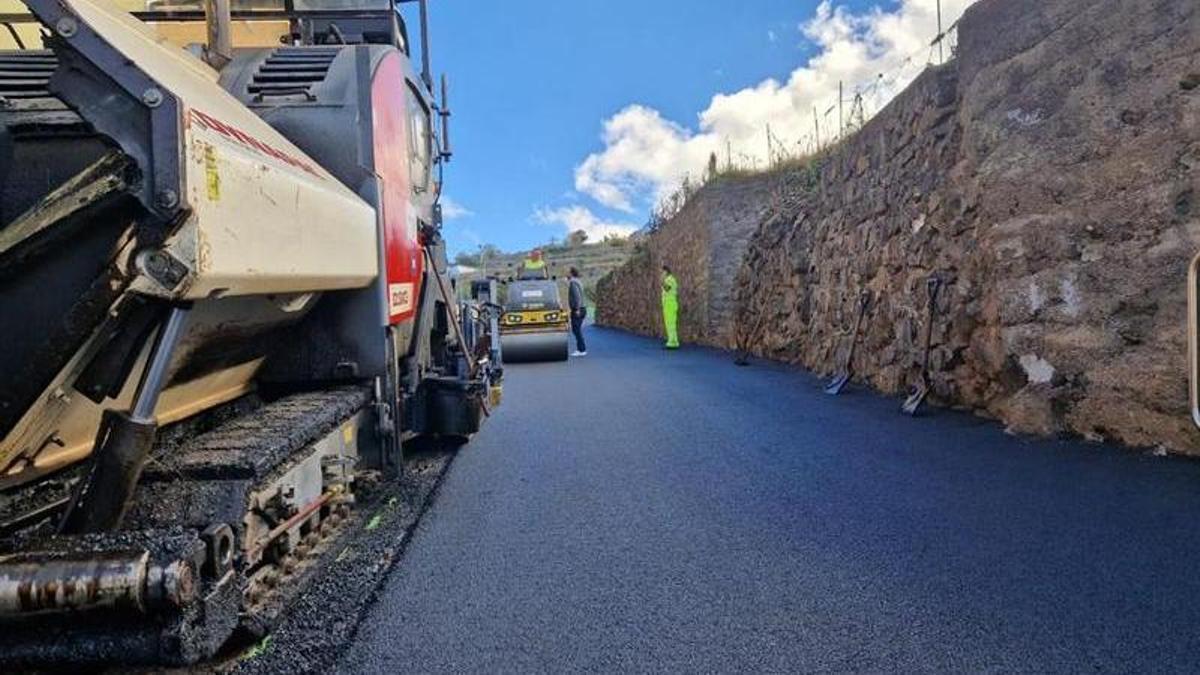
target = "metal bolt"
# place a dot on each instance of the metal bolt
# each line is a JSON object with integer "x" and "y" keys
{"x": 168, "y": 199}
{"x": 181, "y": 584}
{"x": 66, "y": 26}
{"x": 152, "y": 97}
{"x": 173, "y": 585}
{"x": 156, "y": 263}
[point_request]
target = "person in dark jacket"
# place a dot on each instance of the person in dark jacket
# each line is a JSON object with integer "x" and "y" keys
{"x": 578, "y": 305}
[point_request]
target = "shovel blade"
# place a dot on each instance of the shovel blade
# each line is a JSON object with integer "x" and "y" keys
{"x": 838, "y": 383}
{"x": 912, "y": 404}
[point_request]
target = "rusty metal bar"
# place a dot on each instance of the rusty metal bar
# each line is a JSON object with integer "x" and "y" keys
{"x": 300, "y": 516}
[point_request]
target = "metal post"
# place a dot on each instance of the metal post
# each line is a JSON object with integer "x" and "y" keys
{"x": 770, "y": 150}
{"x": 940, "y": 37}
{"x": 817, "y": 127}
{"x": 218, "y": 19}
{"x": 841, "y": 122}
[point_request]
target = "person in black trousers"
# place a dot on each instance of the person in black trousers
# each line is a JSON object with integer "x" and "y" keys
{"x": 578, "y": 311}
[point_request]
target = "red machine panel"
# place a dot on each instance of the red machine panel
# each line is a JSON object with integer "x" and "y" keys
{"x": 391, "y": 127}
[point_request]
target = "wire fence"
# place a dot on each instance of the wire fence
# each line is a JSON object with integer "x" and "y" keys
{"x": 853, "y": 109}
{"x": 841, "y": 117}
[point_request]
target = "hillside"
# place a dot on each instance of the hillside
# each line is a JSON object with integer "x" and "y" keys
{"x": 594, "y": 260}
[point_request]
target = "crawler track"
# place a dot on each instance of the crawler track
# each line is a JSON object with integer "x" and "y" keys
{"x": 311, "y": 632}
{"x": 253, "y": 476}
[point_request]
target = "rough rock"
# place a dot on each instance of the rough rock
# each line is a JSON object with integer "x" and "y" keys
{"x": 704, "y": 245}
{"x": 1047, "y": 175}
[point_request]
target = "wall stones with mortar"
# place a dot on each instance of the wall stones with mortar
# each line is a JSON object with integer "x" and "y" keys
{"x": 1049, "y": 176}
{"x": 704, "y": 245}
{"x": 1079, "y": 149}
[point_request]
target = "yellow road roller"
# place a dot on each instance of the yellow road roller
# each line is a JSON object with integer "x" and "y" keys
{"x": 535, "y": 323}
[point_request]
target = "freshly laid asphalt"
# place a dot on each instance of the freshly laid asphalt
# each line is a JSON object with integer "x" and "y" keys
{"x": 640, "y": 510}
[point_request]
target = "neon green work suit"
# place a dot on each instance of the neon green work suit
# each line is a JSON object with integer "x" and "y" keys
{"x": 670, "y": 308}
{"x": 533, "y": 269}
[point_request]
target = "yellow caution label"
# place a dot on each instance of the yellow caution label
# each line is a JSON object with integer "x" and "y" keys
{"x": 212, "y": 176}
{"x": 348, "y": 433}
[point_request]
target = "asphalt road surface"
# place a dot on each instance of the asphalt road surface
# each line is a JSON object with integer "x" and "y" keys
{"x": 644, "y": 510}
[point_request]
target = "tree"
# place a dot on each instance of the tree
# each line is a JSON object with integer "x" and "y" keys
{"x": 577, "y": 238}
{"x": 488, "y": 255}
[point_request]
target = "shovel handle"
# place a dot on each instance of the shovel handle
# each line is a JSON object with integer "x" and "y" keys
{"x": 932, "y": 285}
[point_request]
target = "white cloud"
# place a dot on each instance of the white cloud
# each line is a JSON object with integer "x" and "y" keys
{"x": 577, "y": 217}
{"x": 771, "y": 36}
{"x": 645, "y": 156}
{"x": 452, "y": 210}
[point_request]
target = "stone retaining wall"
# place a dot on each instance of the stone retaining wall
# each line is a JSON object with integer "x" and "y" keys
{"x": 704, "y": 245}
{"x": 1048, "y": 175}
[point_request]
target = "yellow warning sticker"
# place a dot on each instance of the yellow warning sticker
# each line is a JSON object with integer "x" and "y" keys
{"x": 212, "y": 176}
{"x": 348, "y": 433}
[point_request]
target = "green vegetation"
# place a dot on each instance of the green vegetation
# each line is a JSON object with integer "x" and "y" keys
{"x": 594, "y": 259}
{"x": 809, "y": 164}
{"x": 261, "y": 647}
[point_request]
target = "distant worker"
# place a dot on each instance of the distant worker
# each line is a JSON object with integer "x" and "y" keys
{"x": 534, "y": 267}
{"x": 670, "y": 307}
{"x": 578, "y": 307}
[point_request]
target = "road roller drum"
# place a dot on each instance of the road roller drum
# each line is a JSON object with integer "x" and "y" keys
{"x": 535, "y": 323}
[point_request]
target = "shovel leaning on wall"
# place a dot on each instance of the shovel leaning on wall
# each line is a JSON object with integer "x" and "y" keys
{"x": 840, "y": 380}
{"x": 912, "y": 405}
{"x": 742, "y": 356}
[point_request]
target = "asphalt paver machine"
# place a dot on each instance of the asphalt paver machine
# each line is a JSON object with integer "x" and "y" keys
{"x": 223, "y": 302}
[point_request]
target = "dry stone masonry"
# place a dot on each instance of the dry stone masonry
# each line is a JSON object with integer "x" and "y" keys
{"x": 1049, "y": 176}
{"x": 704, "y": 245}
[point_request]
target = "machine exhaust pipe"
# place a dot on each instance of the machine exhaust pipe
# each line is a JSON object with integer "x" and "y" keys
{"x": 444, "y": 114}
{"x": 426, "y": 68}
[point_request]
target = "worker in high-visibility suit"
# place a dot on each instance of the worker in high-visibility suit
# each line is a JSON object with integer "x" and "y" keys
{"x": 534, "y": 266}
{"x": 670, "y": 307}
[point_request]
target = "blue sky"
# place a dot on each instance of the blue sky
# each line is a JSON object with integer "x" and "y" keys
{"x": 533, "y": 83}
